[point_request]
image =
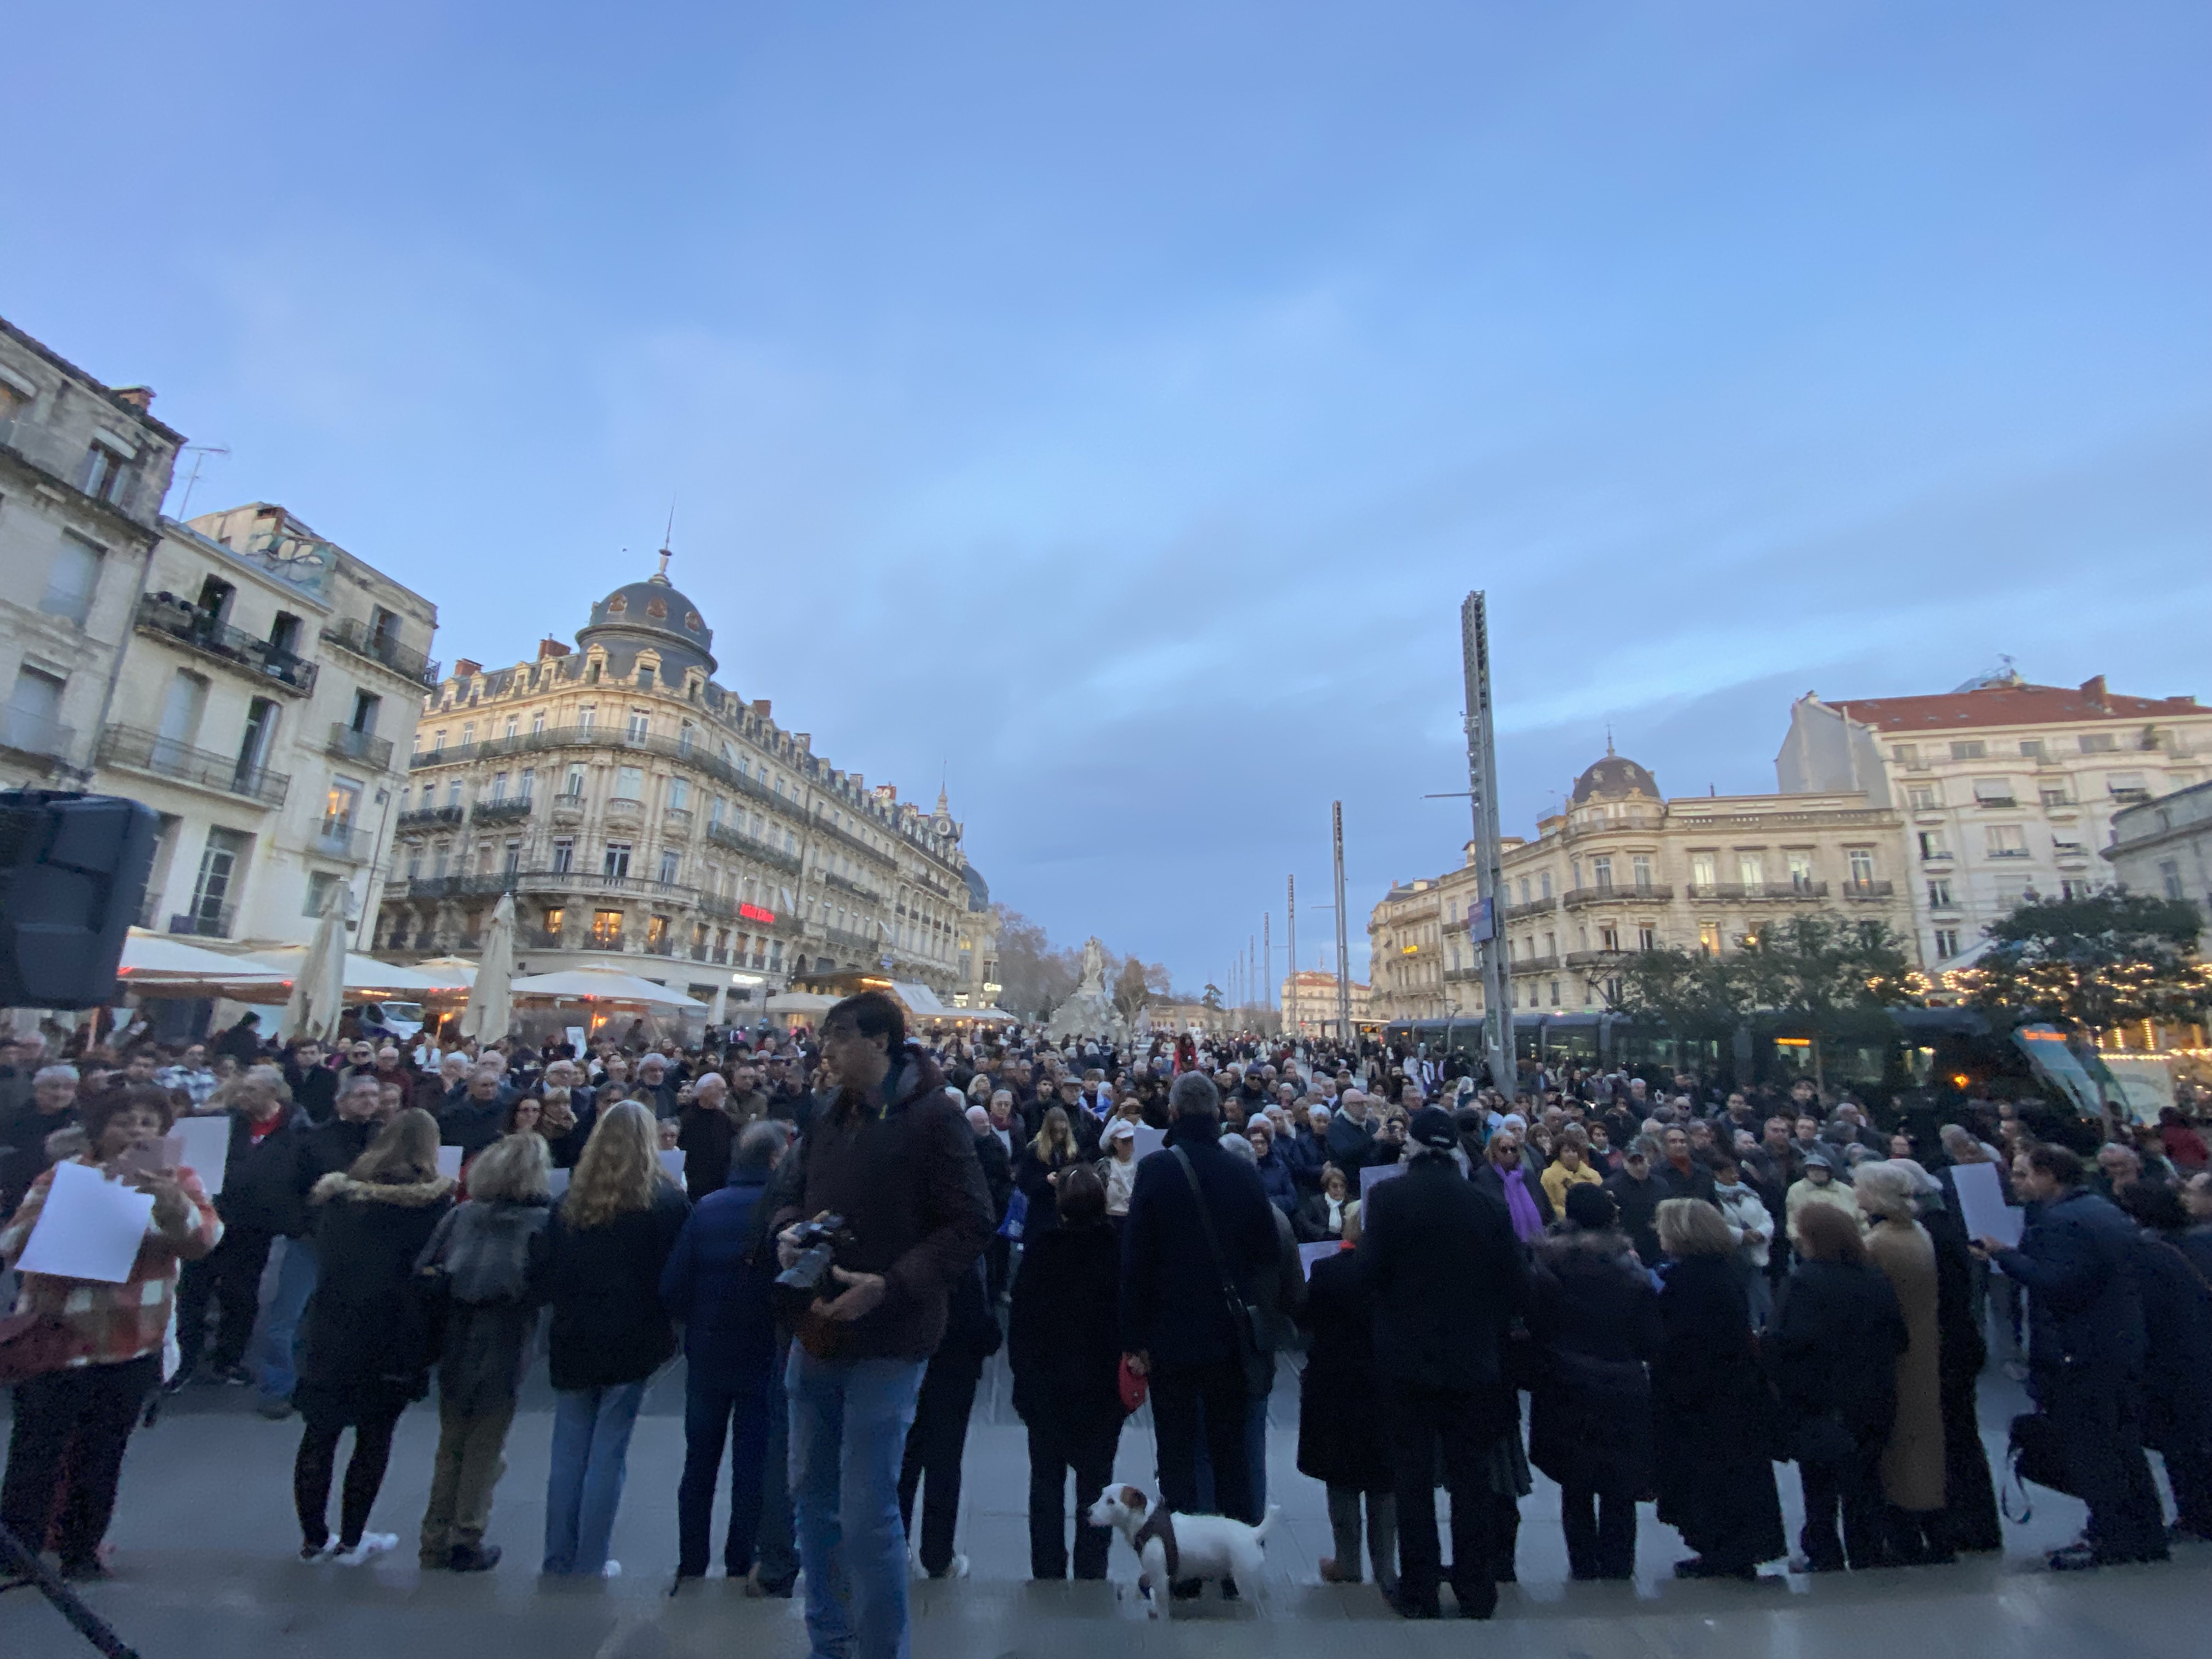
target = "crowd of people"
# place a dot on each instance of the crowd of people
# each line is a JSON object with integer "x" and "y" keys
{"x": 1692, "y": 1283}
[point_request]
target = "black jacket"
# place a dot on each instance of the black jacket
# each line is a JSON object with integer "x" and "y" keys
{"x": 1594, "y": 1316}
{"x": 472, "y": 1125}
{"x": 261, "y": 1185}
{"x": 1695, "y": 1182}
{"x": 1834, "y": 1346}
{"x": 705, "y": 1134}
{"x": 1439, "y": 1259}
{"x": 1341, "y": 1427}
{"x": 2084, "y": 1310}
{"x": 1717, "y": 1430}
{"x": 1171, "y": 1302}
{"x": 998, "y": 1172}
{"x": 2177, "y": 1359}
{"x": 314, "y": 1090}
{"x": 1638, "y": 1202}
{"x": 328, "y": 1149}
{"x": 1492, "y": 1180}
{"x": 365, "y": 1324}
{"x": 609, "y": 1327}
{"x": 902, "y": 1171}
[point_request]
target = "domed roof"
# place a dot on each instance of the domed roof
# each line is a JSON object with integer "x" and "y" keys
{"x": 653, "y": 612}
{"x": 1614, "y": 777}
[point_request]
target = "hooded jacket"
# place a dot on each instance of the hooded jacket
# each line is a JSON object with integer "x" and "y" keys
{"x": 495, "y": 1256}
{"x": 365, "y": 1325}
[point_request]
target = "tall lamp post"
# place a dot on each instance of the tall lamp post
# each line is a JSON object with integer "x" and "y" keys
{"x": 1482, "y": 784}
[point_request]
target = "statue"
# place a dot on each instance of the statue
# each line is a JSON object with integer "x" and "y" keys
{"x": 1089, "y": 1010}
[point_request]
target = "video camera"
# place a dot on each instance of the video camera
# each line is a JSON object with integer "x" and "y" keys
{"x": 818, "y": 1243}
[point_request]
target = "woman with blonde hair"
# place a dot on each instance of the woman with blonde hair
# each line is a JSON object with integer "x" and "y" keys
{"x": 489, "y": 1258}
{"x": 1036, "y": 1171}
{"x": 1712, "y": 1415}
{"x": 1912, "y": 1461}
{"x": 611, "y": 1234}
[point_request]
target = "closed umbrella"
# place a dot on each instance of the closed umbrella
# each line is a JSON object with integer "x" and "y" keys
{"x": 319, "y": 991}
{"x": 491, "y": 998}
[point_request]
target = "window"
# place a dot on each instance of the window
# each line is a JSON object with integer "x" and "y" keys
{"x": 606, "y": 929}
{"x": 468, "y": 732}
{"x": 1647, "y": 938}
{"x": 1608, "y": 938}
{"x": 2032, "y": 749}
{"x": 587, "y": 716}
{"x": 1703, "y": 870}
{"x": 440, "y": 856}
{"x": 1932, "y": 846}
{"x": 2099, "y": 742}
{"x": 1947, "y": 942}
{"x": 2006, "y": 840}
{"x": 284, "y": 634}
{"x": 564, "y": 855}
{"x": 320, "y": 883}
{"x": 1906, "y": 754}
{"x": 1861, "y": 859}
{"x": 537, "y": 726}
{"x": 414, "y": 864}
{"x": 528, "y": 783}
{"x": 714, "y": 811}
{"x": 616, "y": 863}
{"x": 685, "y": 738}
{"x": 341, "y": 806}
{"x": 1993, "y": 792}
{"x": 221, "y": 874}
{"x": 453, "y": 793}
{"x": 572, "y": 786}
{"x": 671, "y": 866}
{"x": 629, "y": 783}
{"x": 105, "y": 472}
{"x": 1800, "y": 871}
{"x": 679, "y": 795}
{"x": 438, "y": 743}
{"x": 511, "y": 860}
{"x": 1524, "y": 889}
{"x": 1968, "y": 749}
{"x": 2076, "y": 890}
{"x": 1602, "y": 872}
{"x": 2169, "y": 876}
{"x": 1939, "y": 895}
{"x": 72, "y": 580}
{"x": 1750, "y": 871}
{"x": 498, "y": 788}
{"x": 555, "y": 916}
{"x": 1923, "y": 797}
{"x": 32, "y": 717}
{"x": 2126, "y": 785}
{"x": 641, "y": 723}
{"x": 1544, "y": 886}
{"x": 2053, "y": 795}
{"x": 1639, "y": 866}
{"x": 656, "y": 934}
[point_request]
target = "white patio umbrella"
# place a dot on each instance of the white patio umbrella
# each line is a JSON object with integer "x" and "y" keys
{"x": 318, "y": 990}
{"x": 449, "y": 970}
{"x": 156, "y": 965}
{"x": 601, "y": 985}
{"x": 364, "y": 976}
{"x": 491, "y": 1002}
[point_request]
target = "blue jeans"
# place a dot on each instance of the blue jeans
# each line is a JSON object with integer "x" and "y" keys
{"x": 277, "y": 1356}
{"x": 590, "y": 1448}
{"x": 849, "y": 1426}
{"x": 715, "y": 1409}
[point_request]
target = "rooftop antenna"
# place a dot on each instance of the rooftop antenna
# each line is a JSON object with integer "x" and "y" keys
{"x": 668, "y": 536}
{"x": 197, "y": 452}
{"x": 1608, "y": 737}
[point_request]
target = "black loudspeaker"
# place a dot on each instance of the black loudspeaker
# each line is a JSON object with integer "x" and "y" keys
{"x": 73, "y": 872}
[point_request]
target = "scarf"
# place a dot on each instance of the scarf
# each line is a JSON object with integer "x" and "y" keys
{"x": 1527, "y": 1223}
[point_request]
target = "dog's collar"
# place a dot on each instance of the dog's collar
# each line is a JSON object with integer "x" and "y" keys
{"x": 1160, "y": 1524}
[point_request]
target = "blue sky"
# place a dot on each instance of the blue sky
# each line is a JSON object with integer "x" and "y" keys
{"x": 1110, "y": 405}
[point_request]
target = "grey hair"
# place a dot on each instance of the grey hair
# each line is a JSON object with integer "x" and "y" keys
{"x": 46, "y": 1072}
{"x": 1195, "y": 1096}
{"x": 1233, "y": 1142}
{"x": 1885, "y": 1189}
{"x": 762, "y": 1144}
{"x": 358, "y": 1082}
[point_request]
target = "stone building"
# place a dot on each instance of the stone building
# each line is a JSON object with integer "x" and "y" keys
{"x": 266, "y": 672}
{"x": 1624, "y": 869}
{"x": 2164, "y": 846}
{"x": 646, "y": 817}
{"x": 83, "y": 468}
{"x": 2005, "y": 787}
{"x": 1309, "y": 1002}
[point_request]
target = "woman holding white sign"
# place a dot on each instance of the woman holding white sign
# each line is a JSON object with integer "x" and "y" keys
{"x": 84, "y": 1370}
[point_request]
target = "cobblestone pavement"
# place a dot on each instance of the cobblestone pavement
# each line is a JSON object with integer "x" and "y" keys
{"x": 206, "y": 1569}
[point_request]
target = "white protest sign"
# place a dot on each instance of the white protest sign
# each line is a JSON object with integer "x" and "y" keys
{"x": 1309, "y": 1254}
{"x": 90, "y": 1228}
{"x": 1982, "y": 1206}
{"x": 673, "y": 1164}
{"x": 556, "y": 1181}
{"x": 1149, "y": 1141}
{"x": 207, "y": 1148}
{"x": 1375, "y": 1172}
{"x": 449, "y": 1163}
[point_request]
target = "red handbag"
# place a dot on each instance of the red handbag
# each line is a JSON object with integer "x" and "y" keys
{"x": 1133, "y": 1386}
{"x": 32, "y": 1344}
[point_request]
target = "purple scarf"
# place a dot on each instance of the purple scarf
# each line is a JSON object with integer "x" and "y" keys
{"x": 1528, "y": 1224}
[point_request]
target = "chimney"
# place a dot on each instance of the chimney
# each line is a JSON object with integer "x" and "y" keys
{"x": 140, "y": 398}
{"x": 761, "y": 707}
{"x": 2094, "y": 689}
{"x": 549, "y": 646}
{"x": 805, "y": 740}
{"x": 465, "y": 669}
{"x": 859, "y": 782}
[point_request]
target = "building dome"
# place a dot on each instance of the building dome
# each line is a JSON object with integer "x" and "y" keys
{"x": 653, "y": 613}
{"x": 1615, "y": 778}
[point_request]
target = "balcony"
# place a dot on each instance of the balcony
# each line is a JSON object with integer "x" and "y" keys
{"x": 739, "y": 841}
{"x": 1867, "y": 890}
{"x": 206, "y": 922}
{"x": 28, "y": 732}
{"x": 1644, "y": 892}
{"x": 625, "y": 812}
{"x": 2070, "y": 852}
{"x": 1938, "y": 855}
{"x": 537, "y": 938}
{"x": 845, "y": 939}
{"x": 846, "y": 883}
{"x": 2006, "y": 802}
{"x": 444, "y": 887}
{"x": 352, "y": 634}
{"x": 586, "y": 881}
{"x": 568, "y": 809}
{"x": 1593, "y": 958}
{"x": 165, "y": 617}
{"x": 1543, "y": 964}
{"x": 337, "y": 838}
{"x": 371, "y": 750}
{"x": 1534, "y": 908}
{"x": 147, "y": 751}
{"x": 2008, "y": 851}
{"x": 1759, "y": 892}
{"x": 514, "y": 809}
{"x": 431, "y": 818}
{"x": 660, "y": 947}
{"x": 1453, "y": 975}
{"x": 676, "y": 822}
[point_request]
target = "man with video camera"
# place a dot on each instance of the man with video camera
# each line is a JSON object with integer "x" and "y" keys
{"x": 889, "y": 1183}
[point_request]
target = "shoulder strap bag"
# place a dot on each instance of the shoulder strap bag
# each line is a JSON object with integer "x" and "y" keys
{"x": 1258, "y": 1363}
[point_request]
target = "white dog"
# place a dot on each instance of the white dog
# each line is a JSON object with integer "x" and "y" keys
{"x": 1174, "y": 1547}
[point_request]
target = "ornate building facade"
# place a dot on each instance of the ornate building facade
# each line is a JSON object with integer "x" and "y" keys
{"x": 645, "y": 817}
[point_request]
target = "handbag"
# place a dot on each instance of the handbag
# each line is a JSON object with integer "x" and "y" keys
{"x": 2036, "y": 1452}
{"x": 1017, "y": 1215}
{"x": 34, "y": 1343}
{"x": 1252, "y": 1354}
{"x": 1133, "y": 1387}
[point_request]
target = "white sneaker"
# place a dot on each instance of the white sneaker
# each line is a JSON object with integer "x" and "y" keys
{"x": 611, "y": 1569}
{"x": 371, "y": 1545}
{"x": 957, "y": 1568}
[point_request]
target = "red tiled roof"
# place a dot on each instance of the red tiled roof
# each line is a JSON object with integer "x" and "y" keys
{"x": 2011, "y": 705}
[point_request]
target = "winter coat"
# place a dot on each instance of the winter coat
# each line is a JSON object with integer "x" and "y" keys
{"x": 365, "y": 1326}
{"x": 471, "y": 1124}
{"x": 1695, "y": 1181}
{"x": 1833, "y": 1347}
{"x": 718, "y": 1282}
{"x": 998, "y": 1173}
{"x": 1594, "y": 1316}
{"x": 1171, "y": 1304}
{"x": 705, "y": 1135}
{"x": 1033, "y": 1179}
{"x": 1912, "y": 1461}
{"x": 1303, "y": 1154}
{"x": 1714, "y": 1417}
{"x": 1439, "y": 1259}
{"x": 1350, "y": 1145}
{"x": 1638, "y": 1202}
{"x": 1804, "y": 1191}
{"x": 314, "y": 1090}
{"x": 261, "y": 1187}
{"x": 2177, "y": 1356}
{"x": 1279, "y": 1290}
{"x": 609, "y": 1327}
{"x": 1744, "y": 1212}
{"x": 2084, "y": 1312}
{"x": 1063, "y": 1341}
{"x": 328, "y": 1149}
{"x": 1277, "y": 1182}
{"x": 901, "y": 1169}
{"x": 1340, "y": 1437}
{"x": 493, "y": 1257}
{"x": 1313, "y": 1223}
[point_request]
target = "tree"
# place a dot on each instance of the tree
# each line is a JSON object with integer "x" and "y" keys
{"x": 1034, "y": 977}
{"x": 1825, "y": 978}
{"x": 1211, "y": 999}
{"x": 1135, "y": 984}
{"x": 1687, "y": 994}
{"x": 2109, "y": 959}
